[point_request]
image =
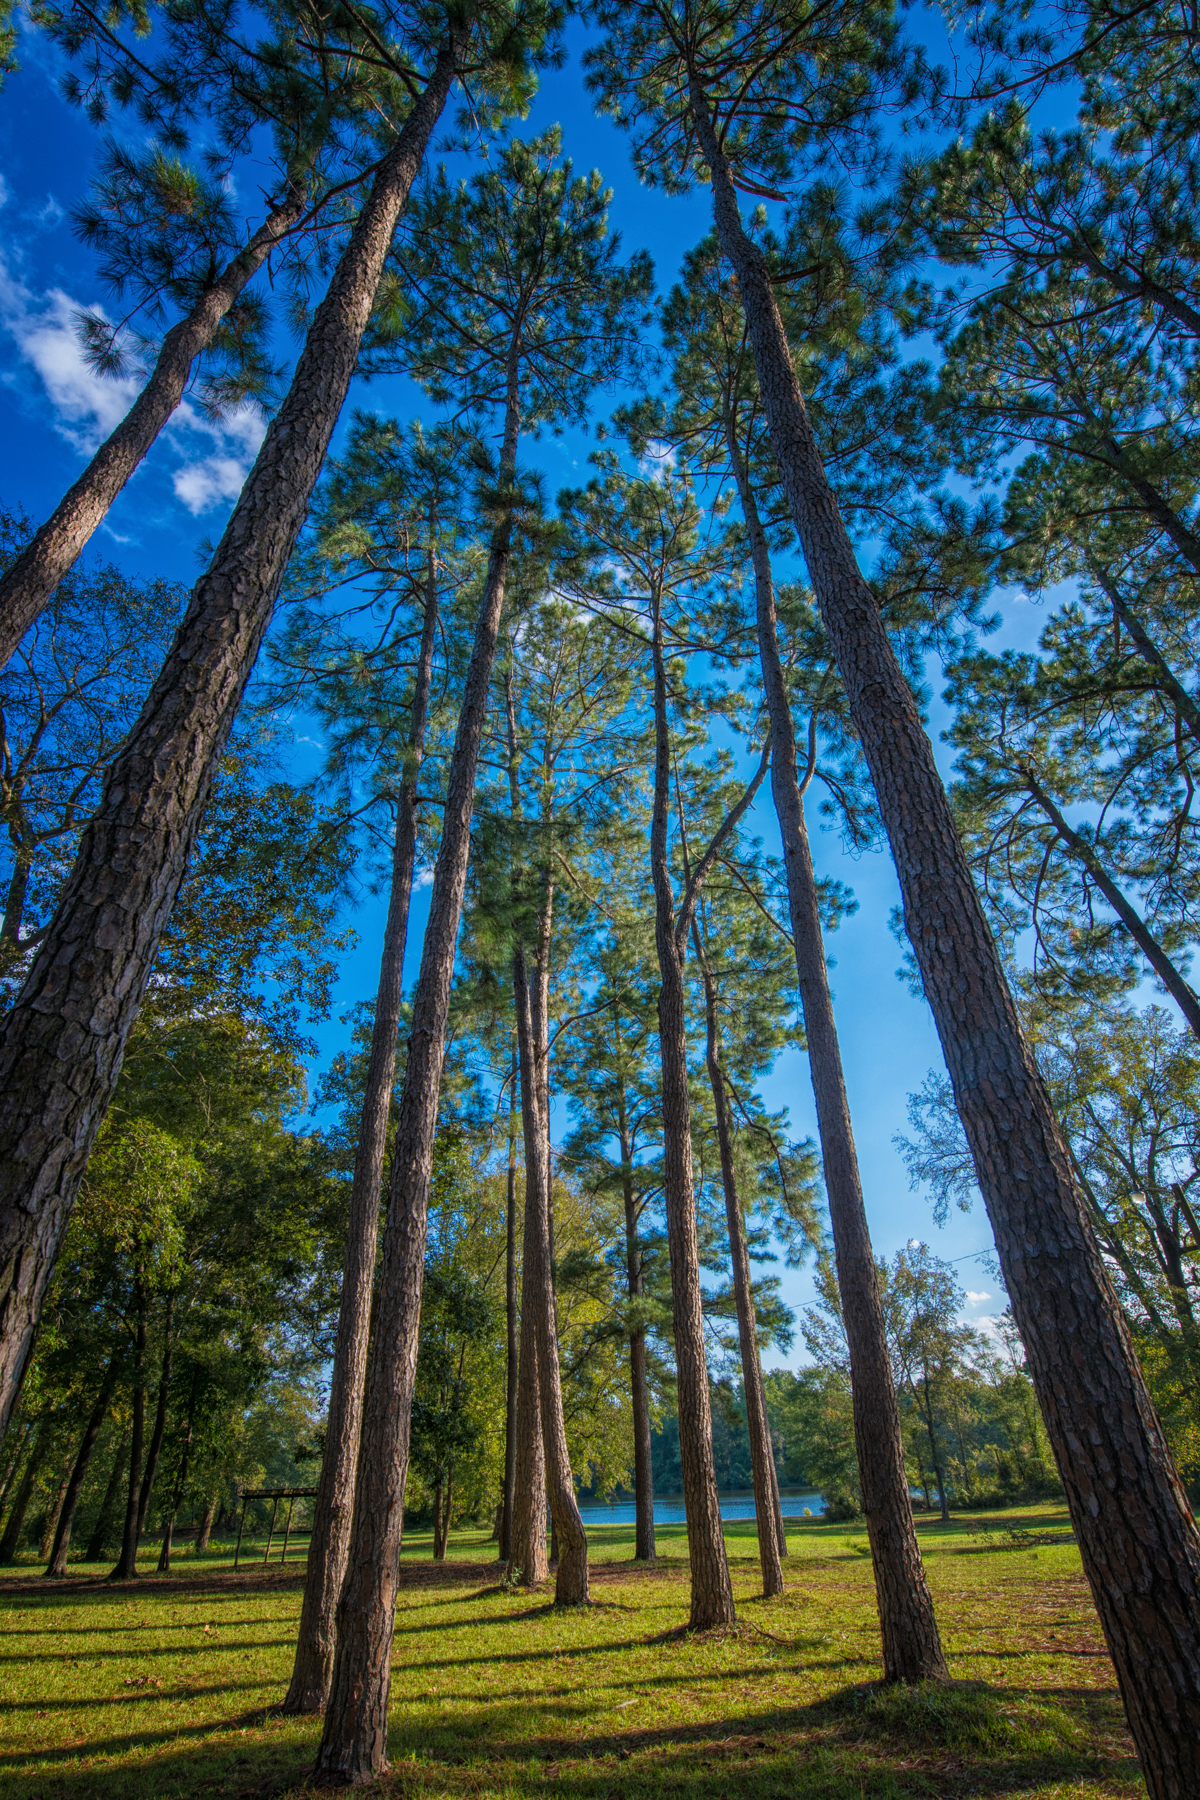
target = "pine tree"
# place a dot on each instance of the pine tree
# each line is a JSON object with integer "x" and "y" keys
{"x": 680, "y": 77}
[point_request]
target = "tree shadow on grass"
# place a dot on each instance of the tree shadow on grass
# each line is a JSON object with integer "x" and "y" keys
{"x": 947, "y": 1740}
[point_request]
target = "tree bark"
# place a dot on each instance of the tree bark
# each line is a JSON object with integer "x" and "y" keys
{"x": 1139, "y": 1543}
{"x": 164, "y": 1555}
{"x": 53, "y": 1510}
{"x": 639, "y": 1383}
{"x": 98, "y": 1541}
{"x": 712, "y": 1591}
{"x": 63, "y": 1040}
{"x": 127, "y": 1561}
{"x": 27, "y": 587}
{"x": 15, "y": 1522}
{"x": 537, "y": 1291}
{"x": 62, "y": 1534}
{"x": 912, "y": 1649}
{"x": 354, "y": 1745}
{"x": 761, "y": 1458}
{"x": 512, "y": 1323}
{"x": 333, "y": 1508}
{"x": 527, "y": 1551}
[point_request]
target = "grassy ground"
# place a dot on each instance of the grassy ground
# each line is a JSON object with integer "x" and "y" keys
{"x": 167, "y": 1687}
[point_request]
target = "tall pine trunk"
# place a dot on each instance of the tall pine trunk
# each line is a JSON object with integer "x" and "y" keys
{"x": 127, "y": 1561}
{"x": 512, "y": 1324}
{"x": 912, "y": 1649}
{"x": 712, "y": 1591}
{"x": 639, "y": 1381}
{"x": 354, "y": 1745}
{"x": 63, "y": 1040}
{"x": 1138, "y": 1540}
{"x": 333, "y": 1508}
{"x": 761, "y": 1455}
{"x": 160, "y": 1421}
{"x": 26, "y": 588}
{"x": 66, "y": 1517}
{"x": 537, "y": 1290}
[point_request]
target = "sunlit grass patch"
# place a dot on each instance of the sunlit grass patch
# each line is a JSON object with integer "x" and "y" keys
{"x": 168, "y": 1689}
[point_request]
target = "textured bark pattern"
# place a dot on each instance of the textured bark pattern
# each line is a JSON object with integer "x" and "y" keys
{"x": 354, "y": 1745}
{"x": 66, "y": 1517}
{"x": 26, "y": 588}
{"x": 334, "y": 1506}
{"x": 512, "y": 1321}
{"x": 712, "y": 1592}
{"x": 912, "y": 1649}
{"x": 762, "y": 1460}
{"x": 527, "y": 1550}
{"x": 1139, "y": 1544}
{"x": 63, "y": 1040}
{"x": 639, "y": 1382}
{"x": 537, "y": 1287}
{"x": 127, "y": 1561}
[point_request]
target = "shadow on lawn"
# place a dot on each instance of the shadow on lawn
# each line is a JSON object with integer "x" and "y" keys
{"x": 965, "y": 1738}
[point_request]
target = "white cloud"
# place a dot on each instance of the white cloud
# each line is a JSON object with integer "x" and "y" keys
{"x": 87, "y": 406}
{"x": 976, "y": 1299}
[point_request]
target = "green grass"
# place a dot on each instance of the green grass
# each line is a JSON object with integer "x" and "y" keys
{"x": 168, "y": 1687}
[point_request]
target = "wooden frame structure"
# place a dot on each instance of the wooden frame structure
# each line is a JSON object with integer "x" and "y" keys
{"x": 291, "y": 1495}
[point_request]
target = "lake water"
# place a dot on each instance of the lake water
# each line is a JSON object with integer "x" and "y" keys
{"x": 668, "y": 1509}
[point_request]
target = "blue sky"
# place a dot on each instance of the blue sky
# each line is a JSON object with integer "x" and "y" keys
{"x": 53, "y": 411}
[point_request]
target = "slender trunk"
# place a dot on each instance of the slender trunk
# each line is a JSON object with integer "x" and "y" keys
{"x": 127, "y": 1561}
{"x": 761, "y": 1460}
{"x": 776, "y": 1501}
{"x": 911, "y": 1644}
{"x": 447, "y": 1503}
{"x": 537, "y": 1292}
{"x": 15, "y": 1523}
{"x": 92, "y": 1430}
{"x": 164, "y": 1555}
{"x": 1083, "y": 852}
{"x": 639, "y": 1383}
{"x": 206, "y": 1525}
{"x": 1149, "y": 651}
{"x": 935, "y": 1455}
{"x": 354, "y": 1744}
{"x": 21, "y": 833}
{"x": 333, "y": 1507}
{"x": 512, "y": 1322}
{"x": 160, "y": 1421}
{"x": 97, "y": 1544}
{"x": 527, "y": 1548}
{"x": 26, "y": 588}
{"x": 712, "y": 1591}
{"x": 54, "y": 1508}
{"x": 18, "y": 1447}
{"x": 1139, "y": 1543}
{"x": 63, "y": 1040}
{"x": 439, "y": 1544}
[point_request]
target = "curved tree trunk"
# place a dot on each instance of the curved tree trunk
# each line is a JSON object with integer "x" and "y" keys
{"x": 92, "y": 1430}
{"x": 761, "y": 1458}
{"x": 26, "y": 587}
{"x": 354, "y": 1745}
{"x": 160, "y": 1421}
{"x": 333, "y": 1508}
{"x": 712, "y": 1591}
{"x": 63, "y": 1040}
{"x": 1137, "y": 1537}
{"x": 912, "y": 1649}
{"x": 537, "y": 1291}
{"x": 206, "y": 1525}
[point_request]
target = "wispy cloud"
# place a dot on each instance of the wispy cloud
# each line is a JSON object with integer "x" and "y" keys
{"x": 214, "y": 456}
{"x": 976, "y": 1299}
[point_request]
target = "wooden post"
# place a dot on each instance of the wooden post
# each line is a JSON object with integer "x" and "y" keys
{"x": 287, "y": 1530}
{"x": 271, "y": 1531}
{"x": 238, "y": 1550}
